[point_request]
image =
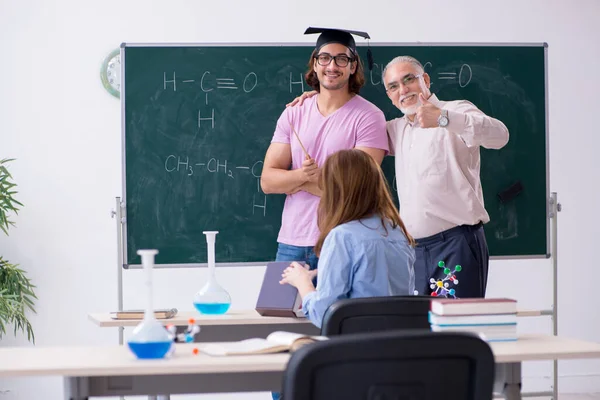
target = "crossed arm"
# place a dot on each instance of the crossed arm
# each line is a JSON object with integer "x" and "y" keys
{"x": 276, "y": 176}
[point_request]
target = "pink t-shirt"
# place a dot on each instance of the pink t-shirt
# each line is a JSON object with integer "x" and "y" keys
{"x": 358, "y": 123}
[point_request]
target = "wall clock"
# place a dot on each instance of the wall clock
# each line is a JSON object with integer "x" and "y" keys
{"x": 110, "y": 73}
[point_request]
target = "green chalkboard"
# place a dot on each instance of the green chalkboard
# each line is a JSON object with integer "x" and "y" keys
{"x": 198, "y": 119}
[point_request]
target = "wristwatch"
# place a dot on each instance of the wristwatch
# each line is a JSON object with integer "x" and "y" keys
{"x": 443, "y": 119}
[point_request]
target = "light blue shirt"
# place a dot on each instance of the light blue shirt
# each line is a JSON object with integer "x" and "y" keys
{"x": 359, "y": 259}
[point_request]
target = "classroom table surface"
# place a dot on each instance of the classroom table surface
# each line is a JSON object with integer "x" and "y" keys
{"x": 115, "y": 360}
{"x": 232, "y": 317}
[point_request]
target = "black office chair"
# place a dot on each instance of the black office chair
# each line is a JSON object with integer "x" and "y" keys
{"x": 394, "y": 365}
{"x": 371, "y": 314}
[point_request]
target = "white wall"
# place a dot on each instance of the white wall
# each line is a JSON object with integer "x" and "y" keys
{"x": 64, "y": 130}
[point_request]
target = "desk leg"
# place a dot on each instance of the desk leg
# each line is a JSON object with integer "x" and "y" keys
{"x": 76, "y": 388}
{"x": 507, "y": 380}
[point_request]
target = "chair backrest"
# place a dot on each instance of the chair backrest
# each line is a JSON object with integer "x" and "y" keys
{"x": 372, "y": 314}
{"x": 394, "y": 365}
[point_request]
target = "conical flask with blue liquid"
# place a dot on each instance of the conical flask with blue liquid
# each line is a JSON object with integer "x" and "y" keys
{"x": 149, "y": 339}
{"x": 212, "y": 298}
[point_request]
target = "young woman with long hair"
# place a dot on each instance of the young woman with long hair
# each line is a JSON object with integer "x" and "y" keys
{"x": 364, "y": 249}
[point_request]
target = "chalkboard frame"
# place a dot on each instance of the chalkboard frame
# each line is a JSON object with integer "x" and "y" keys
{"x": 123, "y": 222}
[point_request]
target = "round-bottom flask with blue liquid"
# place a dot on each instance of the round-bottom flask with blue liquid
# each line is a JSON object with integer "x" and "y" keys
{"x": 212, "y": 298}
{"x": 149, "y": 339}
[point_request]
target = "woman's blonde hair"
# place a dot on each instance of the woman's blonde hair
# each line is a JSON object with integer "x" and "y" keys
{"x": 354, "y": 187}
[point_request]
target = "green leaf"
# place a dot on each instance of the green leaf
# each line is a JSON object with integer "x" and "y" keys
{"x": 8, "y": 202}
{"x": 16, "y": 289}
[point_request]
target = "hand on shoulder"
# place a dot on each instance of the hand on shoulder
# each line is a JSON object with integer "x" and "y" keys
{"x": 300, "y": 99}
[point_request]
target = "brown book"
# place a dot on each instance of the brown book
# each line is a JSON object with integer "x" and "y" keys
{"x": 139, "y": 314}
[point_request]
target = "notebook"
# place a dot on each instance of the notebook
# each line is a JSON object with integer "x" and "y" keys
{"x": 276, "y": 342}
{"x": 139, "y": 314}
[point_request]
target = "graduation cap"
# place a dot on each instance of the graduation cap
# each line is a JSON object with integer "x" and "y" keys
{"x": 341, "y": 36}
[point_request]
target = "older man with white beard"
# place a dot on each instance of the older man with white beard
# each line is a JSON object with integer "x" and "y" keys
{"x": 436, "y": 144}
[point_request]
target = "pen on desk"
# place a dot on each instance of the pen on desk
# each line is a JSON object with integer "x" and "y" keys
{"x": 299, "y": 141}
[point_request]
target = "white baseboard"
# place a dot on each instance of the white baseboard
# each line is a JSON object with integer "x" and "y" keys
{"x": 566, "y": 384}
{"x": 579, "y": 384}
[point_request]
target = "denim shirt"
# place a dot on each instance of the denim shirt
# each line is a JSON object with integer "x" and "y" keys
{"x": 360, "y": 259}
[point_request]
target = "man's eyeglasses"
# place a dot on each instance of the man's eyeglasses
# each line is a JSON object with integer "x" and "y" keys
{"x": 341, "y": 60}
{"x": 407, "y": 80}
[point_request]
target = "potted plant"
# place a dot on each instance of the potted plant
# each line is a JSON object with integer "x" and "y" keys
{"x": 16, "y": 290}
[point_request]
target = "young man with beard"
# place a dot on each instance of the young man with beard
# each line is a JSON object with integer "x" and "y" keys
{"x": 436, "y": 144}
{"x": 336, "y": 118}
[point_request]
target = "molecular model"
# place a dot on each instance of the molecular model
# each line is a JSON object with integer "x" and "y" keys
{"x": 441, "y": 287}
{"x": 186, "y": 336}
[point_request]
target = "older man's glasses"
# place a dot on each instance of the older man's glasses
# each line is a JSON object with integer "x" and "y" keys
{"x": 341, "y": 60}
{"x": 406, "y": 81}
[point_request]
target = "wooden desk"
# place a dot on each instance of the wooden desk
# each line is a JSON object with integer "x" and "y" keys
{"x": 235, "y": 317}
{"x": 235, "y": 325}
{"x": 114, "y": 371}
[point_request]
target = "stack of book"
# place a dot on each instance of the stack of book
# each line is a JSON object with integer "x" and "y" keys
{"x": 494, "y": 319}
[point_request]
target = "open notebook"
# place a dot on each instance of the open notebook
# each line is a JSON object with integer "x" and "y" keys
{"x": 276, "y": 342}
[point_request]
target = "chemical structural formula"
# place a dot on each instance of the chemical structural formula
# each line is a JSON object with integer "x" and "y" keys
{"x": 208, "y": 83}
{"x": 183, "y": 164}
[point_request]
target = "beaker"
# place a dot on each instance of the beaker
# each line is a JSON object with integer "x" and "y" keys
{"x": 212, "y": 298}
{"x": 149, "y": 339}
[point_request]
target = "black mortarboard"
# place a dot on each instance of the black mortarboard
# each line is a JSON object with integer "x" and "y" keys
{"x": 341, "y": 36}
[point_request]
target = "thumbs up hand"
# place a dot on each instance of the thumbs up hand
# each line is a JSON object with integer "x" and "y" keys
{"x": 427, "y": 114}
